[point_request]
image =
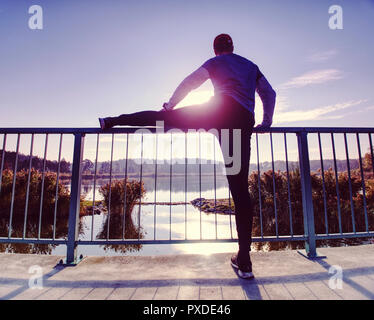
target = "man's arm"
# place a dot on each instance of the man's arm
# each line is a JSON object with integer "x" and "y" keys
{"x": 193, "y": 81}
{"x": 267, "y": 95}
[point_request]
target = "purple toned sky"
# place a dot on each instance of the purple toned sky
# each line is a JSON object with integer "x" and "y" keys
{"x": 97, "y": 58}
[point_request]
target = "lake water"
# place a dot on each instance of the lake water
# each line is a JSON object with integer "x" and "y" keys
{"x": 163, "y": 222}
{"x": 160, "y": 222}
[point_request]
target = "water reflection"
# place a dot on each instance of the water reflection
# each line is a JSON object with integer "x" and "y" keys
{"x": 120, "y": 227}
{"x": 32, "y": 226}
{"x": 156, "y": 221}
{"x": 29, "y": 220}
{"x": 119, "y": 197}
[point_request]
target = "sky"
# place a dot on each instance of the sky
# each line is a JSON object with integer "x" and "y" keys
{"x": 96, "y": 58}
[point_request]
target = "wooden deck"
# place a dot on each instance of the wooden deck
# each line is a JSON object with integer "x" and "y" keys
{"x": 279, "y": 275}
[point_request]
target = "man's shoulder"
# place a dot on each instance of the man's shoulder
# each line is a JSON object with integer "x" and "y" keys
{"x": 209, "y": 61}
{"x": 223, "y": 59}
{"x": 243, "y": 59}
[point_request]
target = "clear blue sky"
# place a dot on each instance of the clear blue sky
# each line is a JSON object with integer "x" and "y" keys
{"x": 97, "y": 58}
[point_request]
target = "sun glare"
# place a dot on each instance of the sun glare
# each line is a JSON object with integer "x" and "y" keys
{"x": 196, "y": 97}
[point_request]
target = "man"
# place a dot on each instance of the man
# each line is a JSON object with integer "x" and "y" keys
{"x": 235, "y": 80}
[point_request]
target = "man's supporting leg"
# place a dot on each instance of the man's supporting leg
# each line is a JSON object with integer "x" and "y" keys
{"x": 238, "y": 184}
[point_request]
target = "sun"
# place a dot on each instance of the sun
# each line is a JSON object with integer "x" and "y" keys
{"x": 196, "y": 97}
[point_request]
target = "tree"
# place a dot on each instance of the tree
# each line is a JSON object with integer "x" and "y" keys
{"x": 87, "y": 165}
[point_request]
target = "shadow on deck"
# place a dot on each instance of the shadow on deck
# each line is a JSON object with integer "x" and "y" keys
{"x": 279, "y": 275}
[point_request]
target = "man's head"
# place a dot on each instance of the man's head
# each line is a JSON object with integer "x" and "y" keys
{"x": 223, "y": 44}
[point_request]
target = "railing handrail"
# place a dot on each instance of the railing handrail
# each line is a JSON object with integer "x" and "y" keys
{"x": 152, "y": 129}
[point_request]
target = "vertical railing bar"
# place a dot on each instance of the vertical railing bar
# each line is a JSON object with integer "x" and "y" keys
{"x": 154, "y": 208}
{"x": 42, "y": 186}
{"x": 323, "y": 183}
{"x": 125, "y": 189}
{"x": 307, "y": 193}
{"x": 110, "y": 187}
{"x": 141, "y": 181}
{"x": 74, "y": 206}
{"x": 288, "y": 184}
{"x": 94, "y": 186}
{"x": 274, "y": 187}
{"x": 171, "y": 176}
{"x": 28, "y": 187}
{"x": 231, "y": 235}
{"x": 230, "y": 211}
{"x": 185, "y": 185}
{"x": 200, "y": 184}
{"x": 362, "y": 182}
{"x": 336, "y": 183}
{"x": 57, "y": 181}
{"x": 350, "y": 184}
{"x": 259, "y": 185}
{"x": 13, "y": 188}
{"x": 2, "y": 161}
{"x": 215, "y": 185}
{"x": 371, "y": 152}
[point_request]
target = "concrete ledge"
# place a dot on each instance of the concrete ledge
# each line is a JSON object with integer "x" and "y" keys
{"x": 279, "y": 275}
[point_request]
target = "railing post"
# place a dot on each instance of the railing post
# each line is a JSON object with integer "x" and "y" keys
{"x": 71, "y": 255}
{"x": 306, "y": 190}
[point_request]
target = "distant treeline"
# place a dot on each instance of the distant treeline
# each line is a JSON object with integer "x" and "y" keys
{"x": 37, "y": 163}
{"x": 148, "y": 166}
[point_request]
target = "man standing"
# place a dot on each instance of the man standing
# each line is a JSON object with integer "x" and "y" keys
{"x": 235, "y": 80}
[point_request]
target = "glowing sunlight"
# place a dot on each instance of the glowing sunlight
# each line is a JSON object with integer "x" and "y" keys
{"x": 196, "y": 97}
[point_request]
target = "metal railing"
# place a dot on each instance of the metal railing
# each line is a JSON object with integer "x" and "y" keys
{"x": 282, "y": 210}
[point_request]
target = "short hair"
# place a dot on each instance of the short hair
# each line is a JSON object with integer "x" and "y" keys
{"x": 223, "y": 43}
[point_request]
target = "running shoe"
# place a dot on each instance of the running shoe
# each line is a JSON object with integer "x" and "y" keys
{"x": 244, "y": 270}
{"x": 104, "y": 124}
